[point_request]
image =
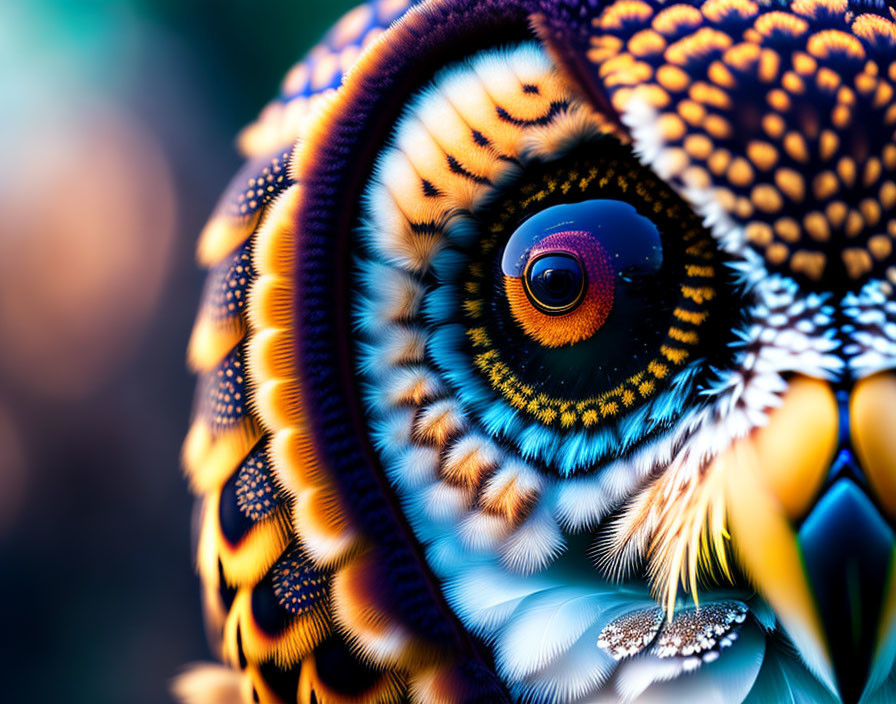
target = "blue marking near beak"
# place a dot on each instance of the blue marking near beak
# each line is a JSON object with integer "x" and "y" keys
{"x": 847, "y": 546}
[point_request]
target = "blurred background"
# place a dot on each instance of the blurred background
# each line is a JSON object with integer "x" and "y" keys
{"x": 117, "y": 121}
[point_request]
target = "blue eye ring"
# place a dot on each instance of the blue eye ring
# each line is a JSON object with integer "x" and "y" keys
{"x": 538, "y": 292}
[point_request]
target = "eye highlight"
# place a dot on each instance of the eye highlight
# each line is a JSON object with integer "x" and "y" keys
{"x": 563, "y": 267}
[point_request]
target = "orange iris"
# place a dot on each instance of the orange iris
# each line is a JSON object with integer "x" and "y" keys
{"x": 565, "y": 292}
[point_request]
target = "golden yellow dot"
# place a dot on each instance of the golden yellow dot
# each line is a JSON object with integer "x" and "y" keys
{"x": 836, "y": 212}
{"x": 645, "y": 388}
{"x": 883, "y": 94}
{"x": 809, "y": 263}
{"x": 790, "y": 183}
{"x": 710, "y": 95}
{"x": 549, "y": 414}
{"x": 846, "y": 169}
{"x": 774, "y": 125}
{"x": 795, "y": 146}
{"x": 717, "y": 126}
{"x": 872, "y": 171}
{"x": 825, "y": 185}
{"x": 762, "y": 154}
{"x": 846, "y": 96}
{"x": 696, "y": 177}
{"x": 841, "y": 116}
{"x": 855, "y": 223}
{"x": 827, "y": 80}
{"x": 777, "y": 253}
{"x": 779, "y": 100}
{"x": 646, "y": 43}
{"x": 740, "y": 173}
{"x": 720, "y": 74}
{"x": 759, "y": 233}
{"x": 787, "y": 229}
{"x": 726, "y": 198}
{"x": 719, "y": 161}
{"x": 688, "y": 316}
{"x": 742, "y": 56}
{"x": 804, "y": 64}
{"x": 672, "y": 78}
{"x": 621, "y": 98}
{"x": 828, "y": 143}
{"x": 888, "y": 194}
{"x": 658, "y": 369}
{"x": 891, "y": 228}
{"x": 890, "y": 115}
{"x": 865, "y": 83}
{"x": 880, "y": 246}
{"x": 816, "y": 225}
{"x": 870, "y": 211}
{"x": 743, "y": 208}
{"x": 693, "y": 113}
{"x": 792, "y": 83}
{"x": 857, "y": 262}
{"x": 633, "y": 73}
{"x": 889, "y": 155}
{"x": 698, "y": 146}
{"x": 675, "y": 161}
{"x": 769, "y": 64}
{"x": 653, "y": 95}
{"x": 766, "y": 198}
{"x": 603, "y": 47}
{"x": 671, "y": 127}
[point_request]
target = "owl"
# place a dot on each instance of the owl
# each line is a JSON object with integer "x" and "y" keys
{"x": 547, "y": 356}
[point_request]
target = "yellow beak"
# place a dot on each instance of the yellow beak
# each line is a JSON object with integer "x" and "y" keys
{"x": 773, "y": 476}
{"x": 805, "y": 498}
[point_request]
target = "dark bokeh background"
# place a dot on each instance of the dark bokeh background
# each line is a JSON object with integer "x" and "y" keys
{"x": 117, "y": 120}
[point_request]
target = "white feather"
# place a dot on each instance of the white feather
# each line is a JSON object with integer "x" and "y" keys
{"x": 534, "y": 544}
{"x": 577, "y": 673}
{"x": 485, "y": 596}
{"x": 544, "y": 626}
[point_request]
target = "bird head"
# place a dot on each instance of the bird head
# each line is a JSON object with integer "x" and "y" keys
{"x": 568, "y": 335}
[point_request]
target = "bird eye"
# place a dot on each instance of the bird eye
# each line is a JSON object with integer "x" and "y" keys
{"x": 573, "y": 261}
{"x": 591, "y": 287}
{"x": 555, "y": 282}
{"x": 572, "y": 308}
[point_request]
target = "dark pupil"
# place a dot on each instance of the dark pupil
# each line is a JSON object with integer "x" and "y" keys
{"x": 555, "y": 282}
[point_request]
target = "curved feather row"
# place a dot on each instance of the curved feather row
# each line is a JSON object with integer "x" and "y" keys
{"x": 468, "y": 131}
{"x": 267, "y": 597}
{"x": 320, "y": 520}
{"x": 267, "y": 603}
